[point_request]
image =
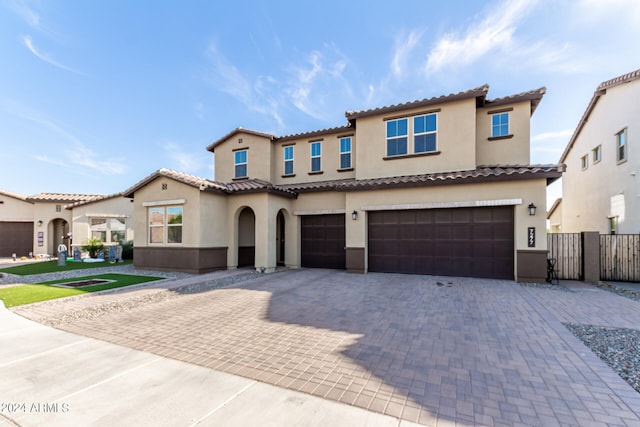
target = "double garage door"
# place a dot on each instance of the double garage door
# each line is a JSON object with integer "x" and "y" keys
{"x": 472, "y": 242}
{"x": 16, "y": 238}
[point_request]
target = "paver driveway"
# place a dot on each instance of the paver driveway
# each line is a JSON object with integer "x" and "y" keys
{"x": 425, "y": 349}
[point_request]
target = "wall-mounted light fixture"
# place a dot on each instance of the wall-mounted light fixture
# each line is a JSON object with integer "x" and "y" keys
{"x": 39, "y": 223}
{"x": 532, "y": 209}
{"x": 354, "y": 215}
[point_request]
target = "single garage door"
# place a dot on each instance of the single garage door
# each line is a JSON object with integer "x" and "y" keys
{"x": 323, "y": 241}
{"x": 16, "y": 238}
{"x": 472, "y": 242}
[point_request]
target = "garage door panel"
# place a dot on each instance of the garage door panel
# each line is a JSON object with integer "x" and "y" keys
{"x": 460, "y": 242}
{"x": 16, "y": 237}
{"x": 323, "y": 241}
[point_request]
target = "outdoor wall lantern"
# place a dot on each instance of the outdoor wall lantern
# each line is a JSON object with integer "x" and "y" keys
{"x": 354, "y": 215}
{"x": 532, "y": 209}
{"x": 39, "y": 223}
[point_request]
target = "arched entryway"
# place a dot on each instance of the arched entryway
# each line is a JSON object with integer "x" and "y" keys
{"x": 59, "y": 232}
{"x": 246, "y": 238}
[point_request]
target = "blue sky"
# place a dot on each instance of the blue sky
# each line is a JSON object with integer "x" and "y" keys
{"x": 96, "y": 95}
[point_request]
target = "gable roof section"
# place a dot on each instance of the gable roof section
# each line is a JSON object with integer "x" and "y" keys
{"x": 600, "y": 91}
{"x": 535, "y": 96}
{"x": 97, "y": 199}
{"x": 555, "y": 205}
{"x": 14, "y": 196}
{"x": 202, "y": 184}
{"x": 62, "y": 197}
{"x": 211, "y": 147}
{"x": 314, "y": 133}
{"x": 478, "y": 93}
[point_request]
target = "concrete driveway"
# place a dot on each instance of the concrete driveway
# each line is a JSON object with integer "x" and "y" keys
{"x": 429, "y": 350}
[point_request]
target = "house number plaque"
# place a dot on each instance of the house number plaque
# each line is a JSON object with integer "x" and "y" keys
{"x": 531, "y": 239}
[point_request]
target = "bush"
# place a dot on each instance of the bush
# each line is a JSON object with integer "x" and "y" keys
{"x": 93, "y": 246}
{"x": 127, "y": 250}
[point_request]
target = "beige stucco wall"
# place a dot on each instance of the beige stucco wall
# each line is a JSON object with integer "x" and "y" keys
{"x": 555, "y": 220}
{"x": 606, "y": 188}
{"x": 259, "y": 152}
{"x": 510, "y": 151}
{"x": 51, "y": 226}
{"x": 455, "y": 140}
{"x": 115, "y": 207}
{"x": 15, "y": 210}
{"x": 213, "y": 220}
{"x": 330, "y": 163}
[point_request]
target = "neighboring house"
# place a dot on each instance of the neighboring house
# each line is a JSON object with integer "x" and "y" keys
{"x": 437, "y": 186}
{"x": 600, "y": 189}
{"x": 37, "y": 225}
{"x": 555, "y": 216}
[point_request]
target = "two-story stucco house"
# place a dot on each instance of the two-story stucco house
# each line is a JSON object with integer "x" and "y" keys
{"x": 600, "y": 189}
{"x": 438, "y": 186}
{"x": 38, "y": 224}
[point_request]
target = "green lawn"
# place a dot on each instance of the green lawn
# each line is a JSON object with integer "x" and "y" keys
{"x": 27, "y": 294}
{"x": 52, "y": 267}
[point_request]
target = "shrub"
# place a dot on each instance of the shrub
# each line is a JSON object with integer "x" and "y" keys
{"x": 127, "y": 250}
{"x": 93, "y": 246}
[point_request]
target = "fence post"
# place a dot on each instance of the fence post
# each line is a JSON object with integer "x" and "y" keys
{"x": 590, "y": 256}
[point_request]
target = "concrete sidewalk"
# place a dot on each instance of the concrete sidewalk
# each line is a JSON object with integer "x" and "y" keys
{"x": 55, "y": 378}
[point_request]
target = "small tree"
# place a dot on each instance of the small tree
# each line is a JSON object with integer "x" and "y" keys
{"x": 93, "y": 246}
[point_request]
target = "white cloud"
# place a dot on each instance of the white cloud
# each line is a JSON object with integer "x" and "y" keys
{"x": 183, "y": 160}
{"x": 404, "y": 45}
{"x": 565, "y": 133}
{"x": 493, "y": 32}
{"x": 28, "y": 42}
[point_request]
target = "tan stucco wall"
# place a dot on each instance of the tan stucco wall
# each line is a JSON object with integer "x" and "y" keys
{"x": 259, "y": 152}
{"x": 606, "y": 188}
{"x": 213, "y": 220}
{"x": 330, "y": 162}
{"x": 511, "y": 151}
{"x": 15, "y": 210}
{"x": 46, "y": 212}
{"x": 555, "y": 220}
{"x": 456, "y": 142}
{"x": 120, "y": 207}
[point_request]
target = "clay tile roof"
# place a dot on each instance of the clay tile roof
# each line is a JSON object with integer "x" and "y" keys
{"x": 257, "y": 185}
{"x": 535, "y": 96}
{"x": 211, "y": 147}
{"x": 314, "y": 133}
{"x": 62, "y": 197}
{"x": 480, "y": 92}
{"x": 555, "y": 205}
{"x": 13, "y": 195}
{"x": 97, "y": 199}
{"x": 600, "y": 91}
{"x": 194, "y": 181}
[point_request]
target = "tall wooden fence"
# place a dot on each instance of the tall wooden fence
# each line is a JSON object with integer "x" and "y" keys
{"x": 566, "y": 249}
{"x": 620, "y": 257}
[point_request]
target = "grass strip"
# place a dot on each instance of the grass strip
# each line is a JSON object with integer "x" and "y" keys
{"x": 53, "y": 267}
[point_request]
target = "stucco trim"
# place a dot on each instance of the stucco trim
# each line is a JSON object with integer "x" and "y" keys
{"x": 320, "y": 212}
{"x": 443, "y": 205}
{"x": 98, "y": 215}
{"x": 164, "y": 202}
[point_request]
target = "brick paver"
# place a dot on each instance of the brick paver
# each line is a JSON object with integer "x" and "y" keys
{"x": 437, "y": 351}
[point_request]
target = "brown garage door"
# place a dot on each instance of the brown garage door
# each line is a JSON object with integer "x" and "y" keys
{"x": 16, "y": 237}
{"x": 323, "y": 241}
{"x": 472, "y": 242}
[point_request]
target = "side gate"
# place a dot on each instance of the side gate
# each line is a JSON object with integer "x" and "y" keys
{"x": 566, "y": 249}
{"x": 620, "y": 257}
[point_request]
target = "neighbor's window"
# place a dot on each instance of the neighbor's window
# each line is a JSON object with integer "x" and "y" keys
{"x": 500, "y": 124}
{"x": 316, "y": 156}
{"x": 165, "y": 225}
{"x": 584, "y": 161}
{"x": 597, "y": 154}
{"x": 621, "y": 140}
{"x": 424, "y": 133}
{"x": 109, "y": 230}
{"x": 288, "y": 160}
{"x": 345, "y": 153}
{"x": 397, "y": 131}
{"x": 240, "y": 163}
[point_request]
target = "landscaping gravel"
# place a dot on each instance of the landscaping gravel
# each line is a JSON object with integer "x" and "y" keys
{"x": 617, "y": 347}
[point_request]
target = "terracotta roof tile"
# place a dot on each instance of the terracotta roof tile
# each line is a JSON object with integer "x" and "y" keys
{"x": 62, "y": 197}
{"x": 314, "y": 133}
{"x": 13, "y": 195}
{"x": 211, "y": 147}
{"x": 535, "y": 96}
{"x": 257, "y": 185}
{"x": 194, "y": 181}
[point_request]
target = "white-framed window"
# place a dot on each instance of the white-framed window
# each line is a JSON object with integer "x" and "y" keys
{"x": 597, "y": 154}
{"x": 109, "y": 230}
{"x": 240, "y": 163}
{"x": 499, "y": 124}
{"x": 288, "y": 160}
{"x": 425, "y": 131}
{"x": 316, "y": 156}
{"x": 345, "y": 152}
{"x": 165, "y": 225}
{"x": 584, "y": 162}
{"x": 397, "y": 135}
{"x": 621, "y": 145}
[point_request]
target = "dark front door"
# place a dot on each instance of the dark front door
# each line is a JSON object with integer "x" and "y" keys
{"x": 323, "y": 241}
{"x": 472, "y": 242}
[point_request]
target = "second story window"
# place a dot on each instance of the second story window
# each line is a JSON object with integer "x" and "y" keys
{"x": 584, "y": 162}
{"x": 397, "y": 131}
{"x": 345, "y": 153}
{"x": 424, "y": 133}
{"x": 500, "y": 124}
{"x": 288, "y": 160}
{"x": 597, "y": 154}
{"x": 316, "y": 156}
{"x": 621, "y": 141}
{"x": 240, "y": 163}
